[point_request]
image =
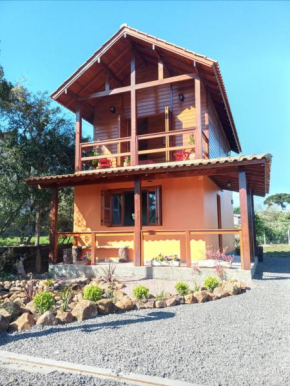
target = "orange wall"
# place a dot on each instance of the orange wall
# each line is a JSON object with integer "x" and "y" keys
{"x": 187, "y": 203}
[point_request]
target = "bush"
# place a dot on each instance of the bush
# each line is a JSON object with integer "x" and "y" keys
{"x": 182, "y": 288}
{"x": 93, "y": 292}
{"x": 44, "y": 301}
{"x": 211, "y": 283}
{"x": 49, "y": 282}
{"x": 141, "y": 292}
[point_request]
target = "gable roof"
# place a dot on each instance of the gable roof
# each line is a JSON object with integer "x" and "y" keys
{"x": 112, "y": 55}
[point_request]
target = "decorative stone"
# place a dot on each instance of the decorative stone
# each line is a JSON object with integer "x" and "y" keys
{"x": 30, "y": 307}
{"x": 231, "y": 288}
{"x": 211, "y": 296}
{"x": 64, "y": 317}
{"x": 145, "y": 304}
{"x": 179, "y": 299}
{"x": 160, "y": 304}
{"x": 24, "y": 322}
{"x": 106, "y": 306}
{"x": 201, "y": 296}
{"x": 220, "y": 293}
{"x": 171, "y": 302}
{"x": 125, "y": 304}
{"x": 47, "y": 319}
{"x": 189, "y": 299}
{"x": 117, "y": 294}
{"x": 5, "y": 318}
{"x": 13, "y": 309}
{"x": 85, "y": 309}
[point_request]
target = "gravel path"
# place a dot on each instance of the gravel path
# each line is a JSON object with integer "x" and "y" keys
{"x": 237, "y": 341}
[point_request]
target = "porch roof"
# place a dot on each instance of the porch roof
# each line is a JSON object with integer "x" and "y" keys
{"x": 223, "y": 171}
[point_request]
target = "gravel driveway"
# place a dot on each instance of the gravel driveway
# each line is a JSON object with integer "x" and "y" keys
{"x": 240, "y": 340}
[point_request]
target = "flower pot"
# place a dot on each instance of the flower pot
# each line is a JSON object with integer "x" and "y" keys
{"x": 174, "y": 263}
{"x": 126, "y": 164}
{"x": 155, "y": 263}
{"x": 87, "y": 262}
{"x": 192, "y": 156}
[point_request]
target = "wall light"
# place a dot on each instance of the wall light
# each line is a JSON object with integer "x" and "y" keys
{"x": 181, "y": 97}
{"x": 229, "y": 184}
{"x": 112, "y": 109}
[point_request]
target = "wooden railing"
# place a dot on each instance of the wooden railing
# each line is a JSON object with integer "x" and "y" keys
{"x": 186, "y": 233}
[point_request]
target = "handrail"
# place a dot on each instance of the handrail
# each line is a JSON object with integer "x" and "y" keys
{"x": 165, "y": 134}
{"x": 106, "y": 142}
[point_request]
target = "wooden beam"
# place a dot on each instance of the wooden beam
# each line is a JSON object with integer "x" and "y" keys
{"x": 134, "y": 144}
{"x": 198, "y": 131}
{"x": 78, "y": 140}
{"x": 93, "y": 249}
{"x": 134, "y": 46}
{"x": 140, "y": 86}
{"x": 111, "y": 73}
{"x": 53, "y": 237}
{"x": 138, "y": 221}
{"x": 161, "y": 60}
{"x": 160, "y": 70}
{"x": 245, "y": 235}
{"x": 187, "y": 249}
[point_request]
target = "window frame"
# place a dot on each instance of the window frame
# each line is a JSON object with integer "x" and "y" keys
{"x": 108, "y": 195}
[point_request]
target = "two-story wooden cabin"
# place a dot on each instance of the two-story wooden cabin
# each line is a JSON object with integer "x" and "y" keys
{"x": 158, "y": 176}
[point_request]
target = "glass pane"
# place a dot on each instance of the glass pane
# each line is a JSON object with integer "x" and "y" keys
{"x": 129, "y": 208}
{"x": 144, "y": 207}
{"x": 117, "y": 209}
{"x": 152, "y": 207}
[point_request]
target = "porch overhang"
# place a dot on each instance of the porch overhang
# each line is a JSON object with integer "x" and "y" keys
{"x": 223, "y": 171}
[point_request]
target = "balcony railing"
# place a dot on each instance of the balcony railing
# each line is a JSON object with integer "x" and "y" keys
{"x": 166, "y": 146}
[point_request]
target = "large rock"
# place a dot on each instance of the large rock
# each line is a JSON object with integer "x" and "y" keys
{"x": 231, "y": 288}
{"x": 64, "y": 317}
{"x": 5, "y": 318}
{"x": 24, "y": 322}
{"x": 145, "y": 304}
{"x": 30, "y": 307}
{"x": 220, "y": 293}
{"x": 160, "y": 304}
{"x": 13, "y": 309}
{"x": 170, "y": 302}
{"x": 106, "y": 306}
{"x": 119, "y": 295}
{"x": 179, "y": 299}
{"x": 189, "y": 299}
{"x": 85, "y": 309}
{"x": 47, "y": 319}
{"x": 201, "y": 296}
{"x": 125, "y": 304}
{"x": 211, "y": 296}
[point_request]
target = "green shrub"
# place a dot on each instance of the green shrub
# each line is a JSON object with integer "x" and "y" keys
{"x": 141, "y": 292}
{"x": 182, "y": 288}
{"x": 211, "y": 283}
{"x": 65, "y": 296}
{"x": 44, "y": 301}
{"x": 49, "y": 282}
{"x": 93, "y": 292}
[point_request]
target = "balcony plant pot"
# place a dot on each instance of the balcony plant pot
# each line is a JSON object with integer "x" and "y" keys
{"x": 174, "y": 263}
{"x": 155, "y": 263}
{"x": 87, "y": 262}
{"x": 127, "y": 164}
{"x": 192, "y": 156}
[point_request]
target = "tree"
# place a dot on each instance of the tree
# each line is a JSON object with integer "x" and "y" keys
{"x": 36, "y": 140}
{"x": 280, "y": 199}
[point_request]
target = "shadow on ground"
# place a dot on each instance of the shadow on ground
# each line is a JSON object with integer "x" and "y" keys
{"x": 273, "y": 268}
{"x": 6, "y": 338}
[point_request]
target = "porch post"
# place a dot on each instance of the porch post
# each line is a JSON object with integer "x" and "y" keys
{"x": 254, "y": 226}
{"x": 251, "y": 224}
{"x": 138, "y": 221}
{"x": 198, "y": 130}
{"x": 134, "y": 147}
{"x": 53, "y": 239}
{"x": 78, "y": 140}
{"x": 245, "y": 239}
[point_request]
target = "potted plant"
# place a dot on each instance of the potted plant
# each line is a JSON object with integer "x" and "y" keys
{"x": 87, "y": 258}
{"x": 159, "y": 260}
{"x": 192, "y": 143}
{"x": 95, "y": 162}
{"x": 173, "y": 260}
{"x": 127, "y": 162}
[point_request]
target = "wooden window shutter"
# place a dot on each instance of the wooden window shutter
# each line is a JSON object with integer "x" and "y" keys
{"x": 158, "y": 205}
{"x": 106, "y": 208}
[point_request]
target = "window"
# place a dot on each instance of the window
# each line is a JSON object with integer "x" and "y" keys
{"x": 118, "y": 207}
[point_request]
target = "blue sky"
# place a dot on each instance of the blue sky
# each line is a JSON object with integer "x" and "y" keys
{"x": 45, "y": 42}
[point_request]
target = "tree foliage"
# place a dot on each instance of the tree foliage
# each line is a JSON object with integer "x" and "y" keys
{"x": 35, "y": 140}
{"x": 280, "y": 199}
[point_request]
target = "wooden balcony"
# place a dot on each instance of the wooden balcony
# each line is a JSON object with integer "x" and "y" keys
{"x": 160, "y": 147}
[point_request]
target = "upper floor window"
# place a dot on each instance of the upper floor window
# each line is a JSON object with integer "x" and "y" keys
{"x": 118, "y": 207}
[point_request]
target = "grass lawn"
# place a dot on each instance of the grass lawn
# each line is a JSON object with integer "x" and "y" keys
{"x": 277, "y": 250}
{"x": 7, "y": 241}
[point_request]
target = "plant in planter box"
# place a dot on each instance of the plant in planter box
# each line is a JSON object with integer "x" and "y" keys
{"x": 173, "y": 260}
{"x": 87, "y": 258}
{"x": 159, "y": 260}
{"x": 127, "y": 161}
{"x": 95, "y": 162}
{"x": 192, "y": 143}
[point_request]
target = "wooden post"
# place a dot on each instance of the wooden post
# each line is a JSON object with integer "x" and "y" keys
{"x": 78, "y": 140}
{"x": 254, "y": 239}
{"x": 167, "y": 117}
{"x": 187, "y": 249}
{"x": 134, "y": 145}
{"x": 160, "y": 70}
{"x": 245, "y": 241}
{"x": 53, "y": 237}
{"x": 93, "y": 248}
{"x": 198, "y": 130}
{"x": 138, "y": 221}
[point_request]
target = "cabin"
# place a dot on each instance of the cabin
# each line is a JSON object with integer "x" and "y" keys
{"x": 158, "y": 173}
